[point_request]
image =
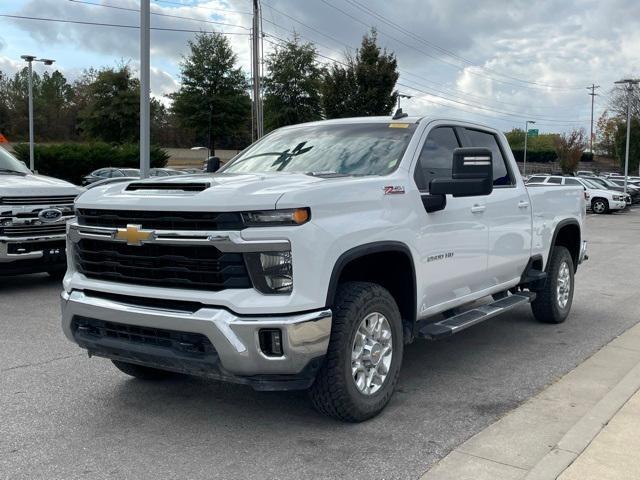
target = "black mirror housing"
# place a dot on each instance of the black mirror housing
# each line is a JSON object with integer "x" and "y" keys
{"x": 472, "y": 174}
{"x": 213, "y": 164}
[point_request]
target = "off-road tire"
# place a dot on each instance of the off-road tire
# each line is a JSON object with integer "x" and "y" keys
{"x": 143, "y": 373}
{"x": 546, "y": 307}
{"x": 600, "y": 201}
{"x": 334, "y": 392}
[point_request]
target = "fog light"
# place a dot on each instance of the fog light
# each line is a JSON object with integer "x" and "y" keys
{"x": 271, "y": 272}
{"x": 271, "y": 342}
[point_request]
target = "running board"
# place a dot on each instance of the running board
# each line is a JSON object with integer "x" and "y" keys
{"x": 457, "y": 323}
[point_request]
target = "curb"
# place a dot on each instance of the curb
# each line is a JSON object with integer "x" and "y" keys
{"x": 585, "y": 430}
{"x": 543, "y": 436}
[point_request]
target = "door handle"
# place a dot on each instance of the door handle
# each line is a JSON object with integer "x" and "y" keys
{"x": 478, "y": 208}
{"x": 523, "y": 204}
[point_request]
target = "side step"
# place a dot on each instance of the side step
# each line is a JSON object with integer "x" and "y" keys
{"x": 451, "y": 325}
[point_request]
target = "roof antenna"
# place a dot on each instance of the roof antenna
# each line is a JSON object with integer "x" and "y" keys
{"x": 399, "y": 114}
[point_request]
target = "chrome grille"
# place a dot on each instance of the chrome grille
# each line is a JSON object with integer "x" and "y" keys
{"x": 30, "y": 230}
{"x": 51, "y": 200}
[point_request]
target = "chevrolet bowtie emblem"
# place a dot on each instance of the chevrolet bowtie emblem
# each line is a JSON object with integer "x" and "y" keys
{"x": 134, "y": 235}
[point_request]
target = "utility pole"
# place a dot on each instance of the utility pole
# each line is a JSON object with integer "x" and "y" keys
{"x": 629, "y": 83}
{"x": 593, "y": 96}
{"x": 526, "y": 135}
{"x": 256, "y": 55}
{"x": 145, "y": 90}
{"x": 30, "y": 59}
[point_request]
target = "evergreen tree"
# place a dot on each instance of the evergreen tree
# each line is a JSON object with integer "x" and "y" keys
{"x": 292, "y": 85}
{"x": 365, "y": 85}
{"x": 212, "y": 99}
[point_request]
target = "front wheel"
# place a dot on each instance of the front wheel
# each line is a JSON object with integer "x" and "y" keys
{"x": 553, "y": 300}
{"x": 600, "y": 205}
{"x": 363, "y": 360}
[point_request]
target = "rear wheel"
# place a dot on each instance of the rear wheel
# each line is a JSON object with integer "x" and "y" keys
{"x": 363, "y": 360}
{"x": 553, "y": 300}
{"x": 600, "y": 205}
{"x": 142, "y": 372}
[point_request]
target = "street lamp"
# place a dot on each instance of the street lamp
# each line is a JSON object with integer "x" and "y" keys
{"x": 402, "y": 95}
{"x": 30, "y": 59}
{"x": 629, "y": 83}
{"x": 526, "y": 135}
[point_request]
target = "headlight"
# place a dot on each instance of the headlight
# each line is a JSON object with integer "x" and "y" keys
{"x": 618, "y": 197}
{"x": 271, "y": 272}
{"x": 269, "y": 218}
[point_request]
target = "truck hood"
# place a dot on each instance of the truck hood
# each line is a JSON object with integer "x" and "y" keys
{"x": 35, "y": 186}
{"x": 223, "y": 192}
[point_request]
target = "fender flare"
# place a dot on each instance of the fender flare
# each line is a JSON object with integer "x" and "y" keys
{"x": 361, "y": 251}
{"x": 561, "y": 224}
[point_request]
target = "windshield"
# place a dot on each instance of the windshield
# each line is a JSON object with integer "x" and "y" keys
{"x": 591, "y": 184}
{"x": 346, "y": 149}
{"x": 9, "y": 163}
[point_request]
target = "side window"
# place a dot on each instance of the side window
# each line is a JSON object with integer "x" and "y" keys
{"x": 489, "y": 140}
{"x": 572, "y": 181}
{"x": 536, "y": 180}
{"x": 557, "y": 180}
{"x": 117, "y": 173}
{"x": 436, "y": 157}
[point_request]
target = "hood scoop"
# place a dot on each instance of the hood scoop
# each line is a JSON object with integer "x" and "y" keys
{"x": 168, "y": 186}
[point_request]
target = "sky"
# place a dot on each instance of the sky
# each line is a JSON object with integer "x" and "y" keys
{"x": 497, "y": 62}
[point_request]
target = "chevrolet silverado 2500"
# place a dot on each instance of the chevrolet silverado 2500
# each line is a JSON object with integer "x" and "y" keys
{"x": 314, "y": 256}
{"x": 33, "y": 213}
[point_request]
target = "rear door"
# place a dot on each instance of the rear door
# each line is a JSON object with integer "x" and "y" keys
{"x": 508, "y": 212}
{"x": 452, "y": 242}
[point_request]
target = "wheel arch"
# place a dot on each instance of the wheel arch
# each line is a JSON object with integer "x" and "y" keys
{"x": 384, "y": 263}
{"x": 567, "y": 234}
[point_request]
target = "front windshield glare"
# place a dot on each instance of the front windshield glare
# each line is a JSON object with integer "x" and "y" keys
{"x": 348, "y": 149}
{"x": 8, "y": 163}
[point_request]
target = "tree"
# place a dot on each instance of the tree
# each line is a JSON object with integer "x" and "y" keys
{"x": 606, "y": 129}
{"x": 5, "y": 111}
{"x": 634, "y": 144}
{"x": 569, "y": 148}
{"x": 364, "y": 85}
{"x": 212, "y": 99}
{"x": 292, "y": 85}
{"x": 112, "y": 110}
{"x": 618, "y": 101}
{"x": 52, "y": 102}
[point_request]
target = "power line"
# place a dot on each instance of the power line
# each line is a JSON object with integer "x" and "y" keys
{"x": 158, "y": 14}
{"x": 445, "y": 51}
{"x": 216, "y": 9}
{"x": 115, "y": 25}
{"x": 427, "y": 54}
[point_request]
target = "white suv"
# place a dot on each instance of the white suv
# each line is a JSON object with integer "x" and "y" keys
{"x": 598, "y": 199}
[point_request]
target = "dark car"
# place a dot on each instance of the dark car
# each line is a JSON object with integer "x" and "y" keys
{"x": 164, "y": 172}
{"x": 110, "y": 172}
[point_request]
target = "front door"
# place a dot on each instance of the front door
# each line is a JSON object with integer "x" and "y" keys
{"x": 452, "y": 242}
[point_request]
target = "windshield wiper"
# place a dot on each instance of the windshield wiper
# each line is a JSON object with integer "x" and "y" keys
{"x": 8, "y": 170}
{"x": 328, "y": 173}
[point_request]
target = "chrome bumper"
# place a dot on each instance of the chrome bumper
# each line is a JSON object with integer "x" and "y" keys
{"x": 6, "y": 257}
{"x": 305, "y": 336}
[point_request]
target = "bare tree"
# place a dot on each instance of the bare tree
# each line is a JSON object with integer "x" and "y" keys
{"x": 569, "y": 148}
{"x": 618, "y": 101}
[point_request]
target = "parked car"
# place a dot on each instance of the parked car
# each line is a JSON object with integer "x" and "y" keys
{"x": 315, "y": 256}
{"x": 34, "y": 210}
{"x": 585, "y": 173}
{"x": 611, "y": 183}
{"x": 164, "y": 172}
{"x": 191, "y": 171}
{"x": 110, "y": 172}
{"x": 599, "y": 200}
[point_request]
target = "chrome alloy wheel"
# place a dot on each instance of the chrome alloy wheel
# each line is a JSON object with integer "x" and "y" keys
{"x": 563, "y": 288}
{"x": 371, "y": 353}
{"x": 599, "y": 206}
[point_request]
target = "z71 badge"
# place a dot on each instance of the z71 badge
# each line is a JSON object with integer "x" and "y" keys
{"x": 393, "y": 190}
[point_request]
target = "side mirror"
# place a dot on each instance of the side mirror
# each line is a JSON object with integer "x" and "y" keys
{"x": 213, "y": 164}
{"x": 472, "y": 174}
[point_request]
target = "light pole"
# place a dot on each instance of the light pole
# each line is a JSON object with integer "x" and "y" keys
{"x": 30, "y": 59}
{"x": 145, "y": 90}
{"x": 402, "y": 95}
{"x": 526, "y": 135}
{"x": 629, "y": 83}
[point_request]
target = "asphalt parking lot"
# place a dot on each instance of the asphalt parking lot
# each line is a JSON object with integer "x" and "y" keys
{"x": 63, "y": 415}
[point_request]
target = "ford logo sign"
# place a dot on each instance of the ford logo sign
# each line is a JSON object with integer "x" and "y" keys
{"x": 50, "y": 215}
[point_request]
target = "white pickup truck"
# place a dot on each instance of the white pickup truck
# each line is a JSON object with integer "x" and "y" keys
{"x": 33, "y": 212}
{"x": 314, "y": 256}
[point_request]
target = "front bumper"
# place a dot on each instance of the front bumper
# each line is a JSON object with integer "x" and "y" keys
{"x": 38, "y": 247}
{"x": 305, "y": 338}
{"x": 617, "y": 205}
